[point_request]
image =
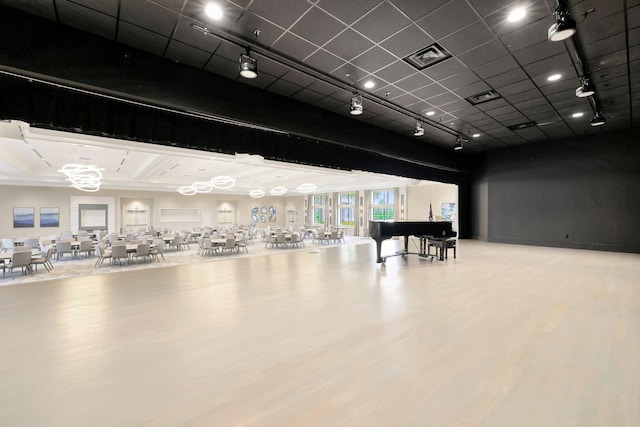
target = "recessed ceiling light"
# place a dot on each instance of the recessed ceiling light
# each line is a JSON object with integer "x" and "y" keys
{"x": 214, "y": 11}
{"x": 476, "y": 135}
{"x": 516, "y": 14}
{"x": 576, "y": 115}
{"x": 369, "y": 84}
{"x": 554, "y": 77}
{"x": 430, "y": 113}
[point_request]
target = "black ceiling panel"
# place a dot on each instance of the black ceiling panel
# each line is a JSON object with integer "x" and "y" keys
{"x": 321, "y": 52}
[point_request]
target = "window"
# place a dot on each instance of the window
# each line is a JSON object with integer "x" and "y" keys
{"x": 347, "y": 210}
{"x": 383, "y": 205}
{"x": 317, "y": 203}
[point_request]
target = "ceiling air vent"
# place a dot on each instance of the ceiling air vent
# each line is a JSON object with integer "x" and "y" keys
{"x": 479, "y": 98}
{"x": 522, "y": 126}
{"x": 428, "y": 56}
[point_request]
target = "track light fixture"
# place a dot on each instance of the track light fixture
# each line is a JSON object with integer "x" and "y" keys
{"x": 586, "y": 88}
{"x": 419, "y": 130}
{"x": 459, "y": 144}
{"x": 598, "y": 119}
{"x": 248, "y": 65}
{"x": 356, "y": 105}
{"x": 564, "y": 27}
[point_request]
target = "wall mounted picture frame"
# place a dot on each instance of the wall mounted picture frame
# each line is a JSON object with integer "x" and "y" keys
{"x": 49, "y": 217}
{"x": 23, "y": 217}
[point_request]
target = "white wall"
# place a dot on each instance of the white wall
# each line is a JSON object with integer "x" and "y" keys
{"x": 417, "y": 206}
{"x": 419, "y": 196}
{"x": 36, "y": 197}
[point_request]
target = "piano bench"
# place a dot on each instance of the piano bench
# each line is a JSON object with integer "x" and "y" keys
{"x": 450, "y": 244}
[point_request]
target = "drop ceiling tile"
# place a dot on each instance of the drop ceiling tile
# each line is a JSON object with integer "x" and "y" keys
{"x": 348, "y": 11}
{"x": 467, "y": 38}
{"x": 348, "y": 45}
{"x": 110, "y": 7}
{"x": 404, "y": 100}
{"x": 604, "y": 46}
{"x": 408, "y": 41}
{"x": 329, "y": 103}
{"x": 185, "y": 34}
{"x": 324, "y": 61}
{"x": 413, "y": 82}
{"x": 523, "y": 96}
{"x": 223, "y": 67}
{"x": 373, "y": 59}
{"x": 459, "y": 80}
{"x": 496, "y": 67}
{"x": 542, "y": 67}
{"x": 526, "y": 36}
{"x": 443, "y": 99}
{"x": 499, "y": 23}
{"x": 604, "y": 28}
{"x": 87, "y": 19}
{"x": 455, "y": 106}
{"x": 229, "y": 51}
{"x": 472, "y": 89}
{"x": 538, "y": 52}
{"x": 396, "y": 71}
{"x": 510, "y": 76}
{"x": 298, "y": 78}
{"x": 308, "y": 96}
{"x": 349, "y": 73}
{"x": 284, "y": 15}
{"x": 447, "y": 18}
{"x": 42, "y": 8}
{"x": 141, "y": 39}
{"x": 172, "y": 4}
{"x": 187, "y": 54}
{"x": 283, "y": 87}
{"x": 417, "y": 9}
{"x": 293, "y": 46}
{"x": 444, "y": 69}
{"x": 270, "y": 66}
{"x": 317, "y": 26}
{"x": 262, "y": 81}
{"x": 195, "y": 10}
{"x": 483, "y": 54}
{"x": 149, "y": 15}
{"x": 429, "y": 91}
{"x": 514, "y": 88}
{"x": 381, "y": 22}
{"x": 322, "y": 87}
{"x": 486, "y": 7}
{"x": 634, "y": 37}
{"x": 249, "y": 22}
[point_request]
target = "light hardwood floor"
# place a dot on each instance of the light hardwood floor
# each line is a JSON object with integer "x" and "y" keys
{"x": 505, "y": 335}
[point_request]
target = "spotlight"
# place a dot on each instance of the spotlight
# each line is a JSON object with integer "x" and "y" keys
{"x": 564, "y": 26}
{"x": 585, "y": 89}
{"x": 459, "y": 144}
{"x": 598, "y": 120}
{"x": 356, "y": 105}
{"x": 248, "y": 65}
{"x": 419, "y": 130}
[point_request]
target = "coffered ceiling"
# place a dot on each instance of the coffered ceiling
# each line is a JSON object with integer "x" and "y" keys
{"x": 319, "y": 52}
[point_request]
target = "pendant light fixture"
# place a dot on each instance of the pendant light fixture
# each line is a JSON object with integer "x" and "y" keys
{"x": 564, "y": 27}
{"x": 356, "y": 105}
{"x": 419, "y": 130}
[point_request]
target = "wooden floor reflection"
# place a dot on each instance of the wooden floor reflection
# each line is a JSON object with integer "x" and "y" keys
{"x": 503, "y": 335}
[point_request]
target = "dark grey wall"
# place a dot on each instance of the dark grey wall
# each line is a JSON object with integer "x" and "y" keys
{"x": 480, "y": 200}
{"x": 576, "y": 193}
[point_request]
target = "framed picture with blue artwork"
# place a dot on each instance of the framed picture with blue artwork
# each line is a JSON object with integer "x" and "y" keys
{"x": 23, "y": 217}
{"x": 49, "y": 217}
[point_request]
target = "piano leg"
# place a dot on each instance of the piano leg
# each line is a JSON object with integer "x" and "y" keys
{"x": 379, "y": 251}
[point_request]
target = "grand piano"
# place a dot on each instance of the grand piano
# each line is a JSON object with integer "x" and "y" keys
{"x": 424, "y": 230}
